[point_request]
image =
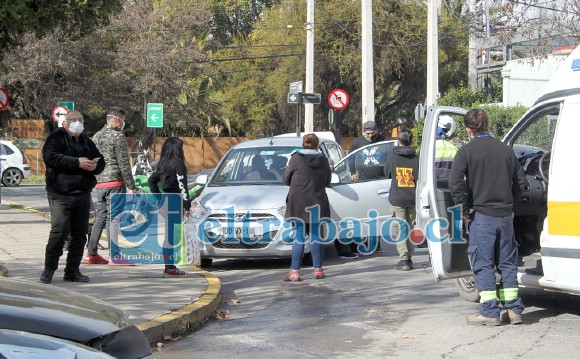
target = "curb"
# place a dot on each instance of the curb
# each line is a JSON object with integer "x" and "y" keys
{"x": 15, "y": 205}
{"x": 177, "y": 322}
{"x": 189, "y": 317}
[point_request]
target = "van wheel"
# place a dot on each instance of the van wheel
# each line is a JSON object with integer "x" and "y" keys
{"x": 466, "y": 289}
{"x": 206, "y": 262}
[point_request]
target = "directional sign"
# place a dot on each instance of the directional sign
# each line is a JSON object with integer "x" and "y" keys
{"x": 313, "y": 98}
{"x": 3, "y": 98}
{"x": 338, "y": 99}
{"x": 59, "y": 114}
{"x": 68, "y": 104}
{"x": 294, "y": 98}
{"x": 295, "y": 87}
{"x": 155, "y": 115}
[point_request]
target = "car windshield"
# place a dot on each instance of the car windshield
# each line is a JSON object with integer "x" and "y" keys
{"x": 253, "y": 166}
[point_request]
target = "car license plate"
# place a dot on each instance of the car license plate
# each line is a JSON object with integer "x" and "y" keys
{"x": 240, "y": 233}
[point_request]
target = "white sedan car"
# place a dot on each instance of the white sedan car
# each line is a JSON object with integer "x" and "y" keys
{"x": 240, "y": 212}
{"x": 13, "y": 164}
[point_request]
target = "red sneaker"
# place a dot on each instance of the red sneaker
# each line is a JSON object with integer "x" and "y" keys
{"x": 319, "y": 273}
{"x": 96, "y": 259}
{"x": 292, "y": 276}
{"x": 174, "y": 272}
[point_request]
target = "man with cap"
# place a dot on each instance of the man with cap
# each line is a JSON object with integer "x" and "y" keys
{"x": 365, "y": 166}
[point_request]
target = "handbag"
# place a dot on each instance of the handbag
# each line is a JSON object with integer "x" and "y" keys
{"x": 189, "y": 248}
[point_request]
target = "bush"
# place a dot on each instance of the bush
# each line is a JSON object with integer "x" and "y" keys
{"x": 35, "y": 179}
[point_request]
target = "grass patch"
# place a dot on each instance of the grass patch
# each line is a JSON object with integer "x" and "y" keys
{"x": 35, "y": 179}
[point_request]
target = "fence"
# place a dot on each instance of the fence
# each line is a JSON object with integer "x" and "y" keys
{"x": 200, "y": 153}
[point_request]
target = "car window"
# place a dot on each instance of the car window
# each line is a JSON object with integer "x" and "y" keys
{"x": 539, "y": 133}
{"x": 5, "y": 150}
{"x": 251, "y": 166}
{"x": 334, "y": 152}
{"x": 367, "y": 162}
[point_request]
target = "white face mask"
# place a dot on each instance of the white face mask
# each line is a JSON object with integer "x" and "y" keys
{"x": 122, "y": 126}
{"x": 76, "y": 127}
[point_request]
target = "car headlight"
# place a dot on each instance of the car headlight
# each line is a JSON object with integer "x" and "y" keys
{"x": 282, "y": 211}
{"x": 197, "y": 211}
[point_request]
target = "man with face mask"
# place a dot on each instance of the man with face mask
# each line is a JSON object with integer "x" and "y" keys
{"x": 116, "y": 178}
{"x": 369, "y": 167}
{"x": 72, "y": 160}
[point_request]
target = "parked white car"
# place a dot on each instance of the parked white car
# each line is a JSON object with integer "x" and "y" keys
{"x": 13, "y": 164}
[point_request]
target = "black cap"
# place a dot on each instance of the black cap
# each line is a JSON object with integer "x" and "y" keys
{"x": 369, "y": 126}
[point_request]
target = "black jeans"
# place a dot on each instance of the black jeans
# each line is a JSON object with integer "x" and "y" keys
{"x": 102, "y": 217}
{"x": 69, "y": 214}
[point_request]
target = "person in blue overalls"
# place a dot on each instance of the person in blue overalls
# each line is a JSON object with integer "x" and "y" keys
{"x": 495, "y": 181}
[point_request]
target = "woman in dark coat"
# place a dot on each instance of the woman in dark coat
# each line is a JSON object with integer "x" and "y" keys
{"x": 308, "y": 175}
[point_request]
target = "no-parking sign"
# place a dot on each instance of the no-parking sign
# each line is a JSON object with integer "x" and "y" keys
{"x": 338, "y": 99}
{"x": 3, "y": 98}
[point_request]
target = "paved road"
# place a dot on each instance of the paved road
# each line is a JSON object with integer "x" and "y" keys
{"x": 367, "y": 309}
{"x": 363, "y": 309}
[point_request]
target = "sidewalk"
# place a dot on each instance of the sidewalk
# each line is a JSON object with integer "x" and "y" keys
{"x": 159, "y": 306}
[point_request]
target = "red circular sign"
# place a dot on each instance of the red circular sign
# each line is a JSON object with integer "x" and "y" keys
{"x": 59, "y": 113}
{"x": 3, "y": 98}
{"x": 338, "y": 99}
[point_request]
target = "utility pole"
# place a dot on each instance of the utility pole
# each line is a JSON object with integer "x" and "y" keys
{"x": 432, "y": 53}
{"x": 472, "y": 65}
{"x": 368, "y": 83}
{"x": 309, "y": 88}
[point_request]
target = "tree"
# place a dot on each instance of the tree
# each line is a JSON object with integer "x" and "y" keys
{"x": 77, "y": 18}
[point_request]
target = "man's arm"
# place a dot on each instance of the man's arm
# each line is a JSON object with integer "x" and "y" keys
{"x": 519, "y": 181}
{"x": 53, "y": 157}
{"x": 122, "y": 152}
{"x": 457, "y": 181}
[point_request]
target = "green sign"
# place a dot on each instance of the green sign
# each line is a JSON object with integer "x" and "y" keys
{"x": 155, "y": 115}
{"x": 68, "y": 104}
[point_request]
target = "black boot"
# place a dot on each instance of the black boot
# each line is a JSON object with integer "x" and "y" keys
{"x": 46, "y": 276}
{"x": 75, "y": 276}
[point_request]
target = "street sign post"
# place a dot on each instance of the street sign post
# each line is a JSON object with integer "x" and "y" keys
{"x": 68, "y": 104}
{"x": 312, "y": 98}
{"x": 3, "y": 98}
{"x": 155, "y": 115}
{"x": 59, "y": 114}
{"x": 295, "y": 98}
{"x": 338, "y": 99}
{"x": 295, "y": 87}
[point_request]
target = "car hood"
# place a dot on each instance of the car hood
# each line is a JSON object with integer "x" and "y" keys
{"x": 244, "y": 197}
{"x": 58, "y": 312}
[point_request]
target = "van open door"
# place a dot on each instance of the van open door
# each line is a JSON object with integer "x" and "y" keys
{"x": 441, "y": 224}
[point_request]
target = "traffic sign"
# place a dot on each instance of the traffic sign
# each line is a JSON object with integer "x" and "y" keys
{"x": 295, "y": 87}
{"x": 3, "y": 98}
{"x": 68, "y": 104}
{"x": 294, "y": 98}
{"x": 312, "y": 98}
{"x": 338, "y": 99}
{"x": 155, "y": 115}
{"x": 59, "y": 113}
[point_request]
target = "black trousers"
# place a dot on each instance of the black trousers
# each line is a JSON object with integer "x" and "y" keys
{"x": 69, "y": 214}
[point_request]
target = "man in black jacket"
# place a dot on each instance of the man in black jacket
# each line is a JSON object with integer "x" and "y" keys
{"x": 495, "y": 181}
{"x": 402, "y": 166}
{"x": 366, "y": 165}
{"x": 72, "y": 160}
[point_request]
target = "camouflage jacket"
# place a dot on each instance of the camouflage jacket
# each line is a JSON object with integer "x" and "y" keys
{"x": 113, "y": 145}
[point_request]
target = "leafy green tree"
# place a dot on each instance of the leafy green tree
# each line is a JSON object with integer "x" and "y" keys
{"x": 77, "y": 18}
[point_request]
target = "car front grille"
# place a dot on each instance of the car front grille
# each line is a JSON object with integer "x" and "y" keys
{"x": 258, "y": 242}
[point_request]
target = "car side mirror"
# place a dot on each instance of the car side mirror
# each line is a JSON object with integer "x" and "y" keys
{"x": 334, "y": 179}
{"x": 201, "y": 179}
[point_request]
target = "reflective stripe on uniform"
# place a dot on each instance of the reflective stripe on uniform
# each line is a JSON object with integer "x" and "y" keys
{"x": 507, "y": 294}
{"x": 488, "y": 295}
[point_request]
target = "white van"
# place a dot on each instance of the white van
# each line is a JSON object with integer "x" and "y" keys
{"x": 546, "y": 141}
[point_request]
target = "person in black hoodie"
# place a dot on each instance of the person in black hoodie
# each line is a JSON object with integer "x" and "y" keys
{"x": 72, "y": 160}
{"x": 402, "y": 166}
{"x": 172, "y": 174}
{"x": 308, "y": 174}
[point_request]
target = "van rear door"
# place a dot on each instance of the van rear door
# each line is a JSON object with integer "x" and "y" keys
{"x": 442, "y": 227}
